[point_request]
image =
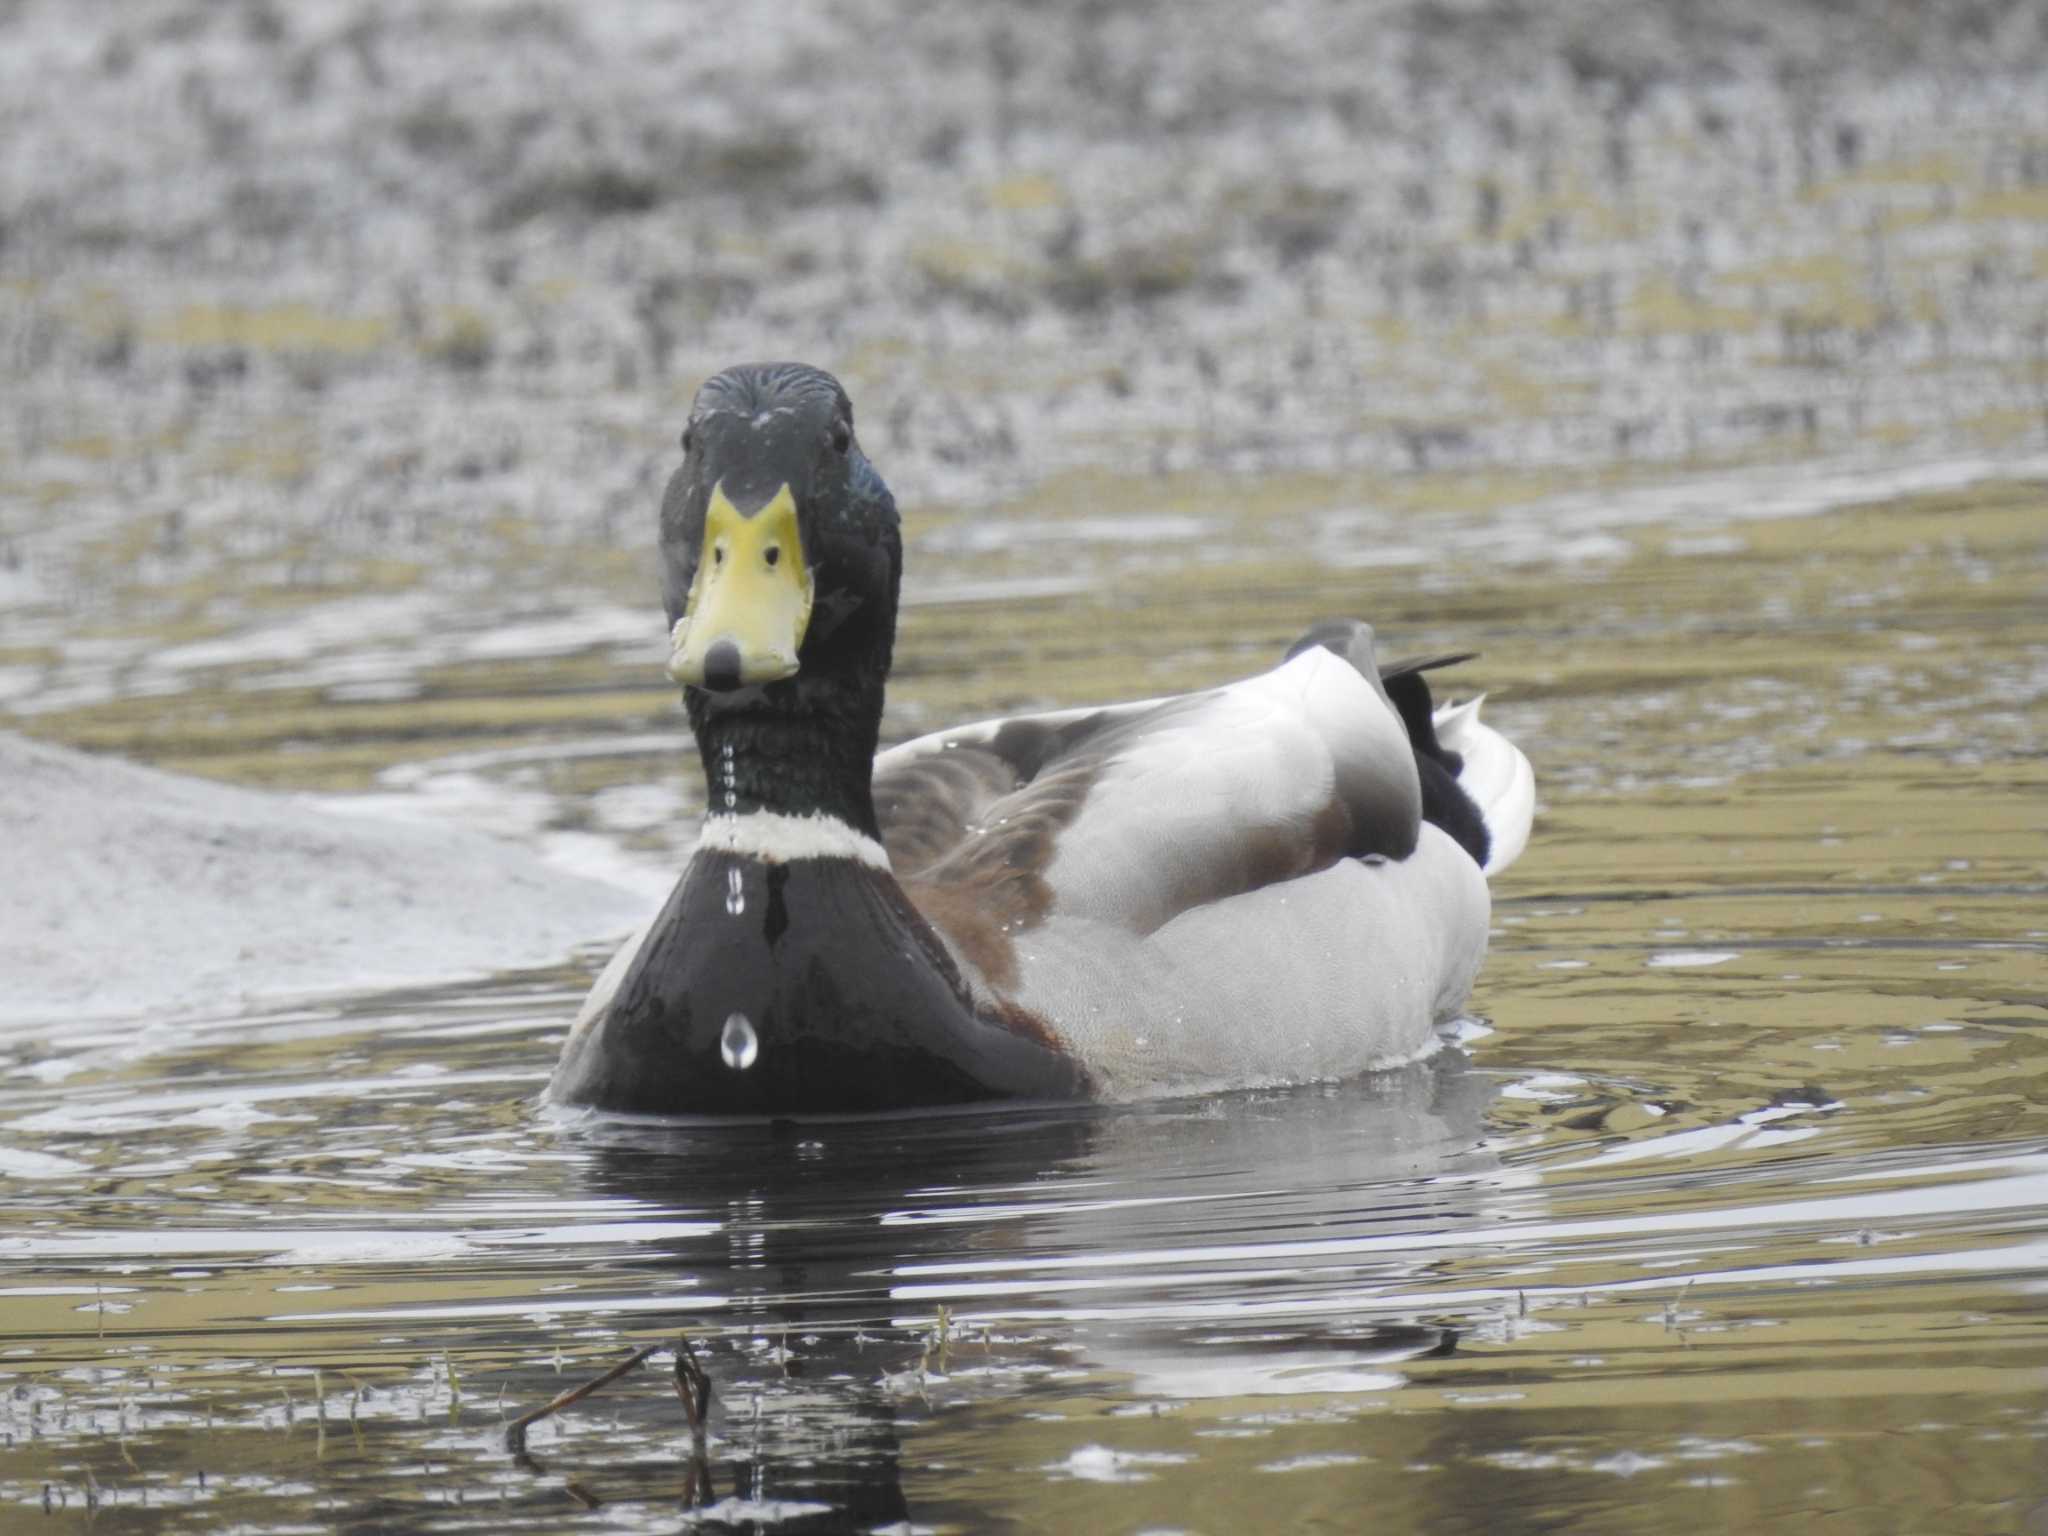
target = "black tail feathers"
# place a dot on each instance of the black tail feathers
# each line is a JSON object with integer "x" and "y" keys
{"x": 1444, "y": 800}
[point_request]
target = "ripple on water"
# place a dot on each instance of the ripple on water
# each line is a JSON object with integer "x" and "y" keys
{"x": 1329, "y": 1250}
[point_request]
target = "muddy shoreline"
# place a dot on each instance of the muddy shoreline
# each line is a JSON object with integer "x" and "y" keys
{"x": 423, "y": 289}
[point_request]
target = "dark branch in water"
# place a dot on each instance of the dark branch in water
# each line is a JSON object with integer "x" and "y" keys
{"x": 694, "y": 1388}
{"x": 515, "y": 1432}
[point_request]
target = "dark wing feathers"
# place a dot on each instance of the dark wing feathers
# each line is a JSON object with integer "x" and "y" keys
{"x": 1444, "y": 800}
{"x": 932, "y": 804}
{"x": 926, "y": 805}
{"x": 1425, "y": 663}
{"x": 972, "y": 822}
{"x": 975, "y": 817}
{"x": 970, "y": 827}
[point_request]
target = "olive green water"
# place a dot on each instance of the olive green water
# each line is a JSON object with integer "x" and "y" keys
{"x": 1734, "y": 1219}
{"x": 1690, "y": 365}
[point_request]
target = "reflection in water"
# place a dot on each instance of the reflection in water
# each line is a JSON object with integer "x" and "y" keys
{"x": 1658, "y": 1239}
{"x": 834, "y": 1239}
{"x": 1471, "y": 1309}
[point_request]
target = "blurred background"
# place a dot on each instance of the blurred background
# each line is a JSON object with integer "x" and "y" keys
{"x": 347, "y": 345}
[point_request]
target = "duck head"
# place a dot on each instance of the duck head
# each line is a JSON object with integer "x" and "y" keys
{"x": 781, "y": 556}
{"x": 774, "y": 532}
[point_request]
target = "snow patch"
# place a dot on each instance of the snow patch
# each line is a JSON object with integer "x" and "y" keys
{"x": 138, "y": 892}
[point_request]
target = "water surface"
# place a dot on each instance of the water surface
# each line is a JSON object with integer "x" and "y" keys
{"x": 1725, "y": 1210}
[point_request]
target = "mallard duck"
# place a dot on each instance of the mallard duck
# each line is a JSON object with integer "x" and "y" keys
{"x": 1275, "y": 881}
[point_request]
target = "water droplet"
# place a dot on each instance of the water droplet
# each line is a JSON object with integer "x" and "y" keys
{"x": 738, "y": 1043}
{"x": 728, "y": 776}
{"x": 735, "y": 892}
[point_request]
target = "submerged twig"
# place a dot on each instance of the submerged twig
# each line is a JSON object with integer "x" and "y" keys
{"x": 121, "y": 1439}
{"x": 697, "y": 1489}
{"x": 1672, "y": 1303}
{"x": 515, "y": 1433}
{"x": 693, "y": 1386}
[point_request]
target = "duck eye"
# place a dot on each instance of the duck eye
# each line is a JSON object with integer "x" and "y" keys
{"x": 772, "y": 554}
{"x": 689, "y": 441}
{"x": 842, "y": 437}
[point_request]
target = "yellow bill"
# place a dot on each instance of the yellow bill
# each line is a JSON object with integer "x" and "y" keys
{"x": 751, "y": 600}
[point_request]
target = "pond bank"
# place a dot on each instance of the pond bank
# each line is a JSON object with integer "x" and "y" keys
{"x": 133, "y": 891}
